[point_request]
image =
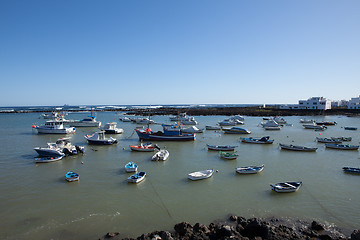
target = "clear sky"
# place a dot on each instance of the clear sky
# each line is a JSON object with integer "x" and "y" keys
{"x": 82, "y": 52}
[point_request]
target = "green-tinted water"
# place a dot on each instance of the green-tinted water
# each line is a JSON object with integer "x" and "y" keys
{"x": 36, "y": 201}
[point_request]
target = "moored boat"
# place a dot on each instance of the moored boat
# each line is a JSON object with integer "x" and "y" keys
{"x": 328, "y": 140}
{"x": 350, "y": 128}
{"x": 98, "y": 138}
{"x": 236, "y": 130}
{"x": 72, "y": 176}
{"x": 307, "y": 121}
{"x": 192, "y": 129}
{"x": 326, "y": 123}
{"x": 313, "y": 126}
{"x": 351, "y": 170}
{"x": 212, "y": 128}
{"x": 131, "y": 167}
{"x": 228, "y": 156}
{"x": 297, "y": 148}
{"x": 110, "y": 128}
{"x": 201, "y": 174}
{"x": 147, "y": 147}
{"x": 161, "y": 155}
{"x": 341, "y": 146}
{"x": 221, "y": 147}
{"x": 89, "y": 121}
{"x": 286, "y": 187}
{"x": 54, "y": 127}
{"x": 250, "y": 169}
{"x": 170, "y": 133}
{"x": 137, "y": 177}
{"x": 47, "y": 159}
{"x": 263, "y": 140}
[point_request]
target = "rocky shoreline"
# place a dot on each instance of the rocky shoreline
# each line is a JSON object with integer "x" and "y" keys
{"x": 246, "y": 229}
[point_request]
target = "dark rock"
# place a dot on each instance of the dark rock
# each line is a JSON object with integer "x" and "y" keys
{"x": 316, "y": 226}
{"x": 183, "y": 228}
{"x": 242, "y": 221}
{"x": 200, "y": 228}
{"x": 255, "y": 228}
{"x": 165, "y": 235}
{"x": 355, "y": 235}
{"x": 325, "y": 237}
{"x": 111, "y": 234}
{"x": 233, "y": 218}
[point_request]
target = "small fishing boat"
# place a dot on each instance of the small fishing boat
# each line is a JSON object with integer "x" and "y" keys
{"x": 131, "y": 167}
{"x": 98, "y": 138}
{"x": 201, "y": 174}
{"x": 54, "y": 127}
{"x": 297, "y": 148}
{"x": 250, "y": 169}
{"x": 350, "y": 128}
{"x": 307, "y": 121}
{"x": 192, "y": 129}
{"x": 212, "y": 128}
{"x": 171, "y": 133}
{"x": 47, "y": 159}
{"x": 221, "y": 147}
{"x": 124, "y": 119}
{"x": 89, "y": 121}
{"x": 351, "y": 170}
{"x": 52, "y": 150}
{"x": 72, "y": 176}
{"x": 313, "y": 126}
{"x": 161, "y": 155}
{"x": 236, "y": 130}
{"x": 228, "y": 156}
{"x": 137, "y": 177}
{"x": 227, "y": 122}
{"x": 144, "y": 147}
{"x": 341, "y": 146}
{"x": 344, "y": 139}
{"x": 144, "y": 121}
{"x": 275, "y": 128}
{"x": 270, "y": 125}
{"x": 326, "y": 123}
{"x": 328, "y": 140}
{"x": 263, "y": 140}
{"x": 286, "y": 187}
{"x": 189, "y": 121}
{"x": 110, "y": 128}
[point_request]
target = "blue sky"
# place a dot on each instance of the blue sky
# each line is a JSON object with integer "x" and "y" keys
{"x": 116, "y": 52}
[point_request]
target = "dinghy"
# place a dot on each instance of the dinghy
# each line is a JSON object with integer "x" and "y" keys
{"x": 286, "y": 187}
{"x": 297, "y": 148}
{"x": 47, "y": 159}
{"x": 137, "y": 177}
{"x": 131, "y": 167}
{"x": 72, "y": 176}
{"x": 341, "y": 146}
{"x": 161, "y": 155}
{"x": 201, "y": 174}
{"x": 147, "y": 147}
{"x": 221, "y": 147}
{"x": 228, "y": 156}
{"x": 249, "y": 169}
{"x": 351, "y": 170}
{"x": 263, "y": 140}
{"x": 328, "y": 140}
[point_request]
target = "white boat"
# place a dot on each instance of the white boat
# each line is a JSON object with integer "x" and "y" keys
{"x": 47, "y": 159}
{"x": 131, "y": 167}
{"x": 191, "y": 129}
{"x": 270, "y": 125}
{"x": 61, "y": 147}
{"x": 212, "y": 128}
{"x": 144, "y": 121}
{"x": 286, "y": 187}
{"x": 236, "y": 130}
{"x": 238, "y": 117}
{"x": 161, "y": 155}
{"x": 179, "y": 118}
{"x": 201, "y": 174}
{"x": 307, "y": 121}
{"x": 221, "y": 147}
{"x": 98, "y": 138}
{"x": 54, "y": 127}
{"x": 297, "y": 148}
{"x": 227, "y": 122}
{"x": 89, "y": 121}
{"x": 280, "y": 120}
{"x": 125, "y": 119}
{"x": 263, "y": 140}
{"x": 137, "y": 177}
{"x": 110, "y": 128}
{"x": 189, "y": 121}
{"x": 250, "y": 169}
{"x": 341, "y": 146}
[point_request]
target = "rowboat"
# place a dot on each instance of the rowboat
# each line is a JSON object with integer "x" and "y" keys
{"x": 212, "y": 128}
{"x": 350, "y": 128}
{"x": 221, "y": 147}
{"x": 307, "y": 121}
{"x": 286, "y": 187}
{"x": 297, "y": 148}
{"x": 344, "y": 139}
{"x": 326, "y": 123}
{"x": 341, "y": 146}
{"x": 314, "y": 126}
{"x": 137, "y": 177}
{"x": 170, "y": 133}
{"x": 250, "y": 169}
{"x": 263, "y": 140}
{"x": 72, "y": 176}
{"x": 201, "y": 174}
{"x": 47, "y": 159}
{"x": 147, "y": 147}
{"x": 228, "y": 156}
{"x": 351, "y": 170}
{"x": 161, "y": 155}
{"x": 131, "y": 167}
{"x": 328, "y": 140}
{"x": 236, "y": 130}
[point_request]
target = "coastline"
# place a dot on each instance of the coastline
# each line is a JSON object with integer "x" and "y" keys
{"x": 210, "y": 111}
{"x": 237, "y": 227}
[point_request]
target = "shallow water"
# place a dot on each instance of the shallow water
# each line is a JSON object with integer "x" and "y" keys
{"x": 37, "y": 202}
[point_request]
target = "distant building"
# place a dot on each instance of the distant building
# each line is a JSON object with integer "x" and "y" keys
{"x": 339, "y": 103}
{"x": 354, "y": 103}
{"x": 319, "y": 103}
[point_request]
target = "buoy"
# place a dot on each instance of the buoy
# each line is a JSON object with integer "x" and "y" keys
{"x": 33, "y": 126}
{"x": 123, "y": 148}
{"x": 217, "y": 171}
{"x": 82, "y": 162}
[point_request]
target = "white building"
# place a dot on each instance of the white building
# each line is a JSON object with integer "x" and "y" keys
{"x": 354, "y": 103}
{"x": 339, "y": 103}
{"x": 319, "y": 103}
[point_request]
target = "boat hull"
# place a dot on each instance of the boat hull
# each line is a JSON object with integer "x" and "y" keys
{"x": 153, "y": 137}
{"x": 55, "y": 131}
{"x": 47, "y": 159}
{"x": 286, "y": 187}
{"x": 101, "y": 142}
{"x": 48, "y": 152}
{"x": 200, "y": 175}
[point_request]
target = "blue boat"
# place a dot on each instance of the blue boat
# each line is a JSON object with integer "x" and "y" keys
{"x": 170, "y": 133}
{"x": 351, "y": 170}
{"x": 131, "y": 167}
{"x": 72, "y": 176}
{"x": 137, "y": 177}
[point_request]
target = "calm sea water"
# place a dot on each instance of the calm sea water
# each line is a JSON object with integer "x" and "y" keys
{"x": 37, "y": 203}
